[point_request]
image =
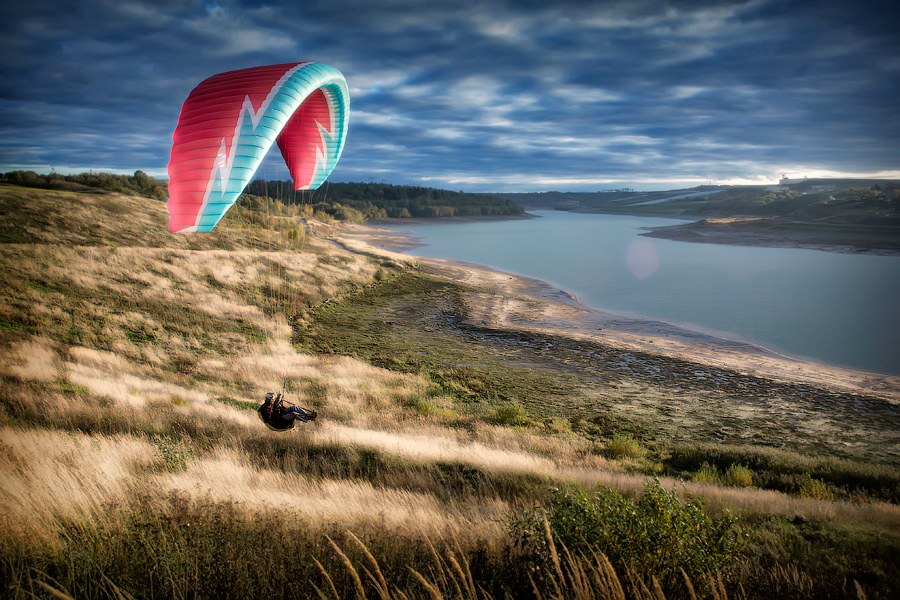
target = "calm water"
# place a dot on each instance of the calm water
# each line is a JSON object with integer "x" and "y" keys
{"x": 840, "y": 309}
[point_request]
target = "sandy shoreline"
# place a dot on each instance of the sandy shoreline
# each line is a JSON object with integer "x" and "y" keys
{"x": 523, "y": 304}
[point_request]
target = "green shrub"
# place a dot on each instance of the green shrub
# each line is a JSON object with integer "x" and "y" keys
{"x": 735, "y": 475}
{"x": 623, "y": 445}
{"x": 558, "y": 425}
{"x": 738, "y": 476}
{"x": 511, "y": 413}
{"x": 422, "y": 405}
{"x": 707, "y": 474}
{"x": 658, "y": 534}
{"x": 814, "y": 488}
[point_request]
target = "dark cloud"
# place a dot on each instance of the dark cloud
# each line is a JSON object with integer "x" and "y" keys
{"x": 478, "y": 95}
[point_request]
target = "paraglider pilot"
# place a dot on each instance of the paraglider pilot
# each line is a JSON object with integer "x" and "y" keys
{"x": 279, "y": 417}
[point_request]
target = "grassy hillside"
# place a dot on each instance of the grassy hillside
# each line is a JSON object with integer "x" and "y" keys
{"x": 133, "y": 464}
{"x": 831, "y": 199}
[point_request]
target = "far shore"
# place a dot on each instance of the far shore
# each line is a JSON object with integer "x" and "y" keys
{"x": 388, "y": 233}
{"x": 778, "y": 233}
{"x": 517, "y": 303}
{"x": 735, "y": 231}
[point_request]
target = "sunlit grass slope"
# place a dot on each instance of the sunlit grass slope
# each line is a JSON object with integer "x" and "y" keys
{"x": 133, "y": 464}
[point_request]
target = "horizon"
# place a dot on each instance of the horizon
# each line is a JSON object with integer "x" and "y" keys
{"x": 636, "y": 186}
{"x": 624, "y": 188}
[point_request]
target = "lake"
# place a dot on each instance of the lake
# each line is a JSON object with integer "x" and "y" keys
{"x": 839, "y": 309}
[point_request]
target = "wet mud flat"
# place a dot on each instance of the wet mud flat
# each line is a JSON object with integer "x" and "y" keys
{"x": 669, "y": 397}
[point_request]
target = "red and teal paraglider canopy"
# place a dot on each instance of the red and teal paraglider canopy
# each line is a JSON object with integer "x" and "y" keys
{"x": 230, "y": 121}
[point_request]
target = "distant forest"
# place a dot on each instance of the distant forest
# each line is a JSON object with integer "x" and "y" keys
{"x": 139, "y": 184}
{"x": 343, "y": 201}
{"x": 382, "y": 200}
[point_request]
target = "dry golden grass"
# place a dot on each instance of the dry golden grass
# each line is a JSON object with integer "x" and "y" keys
{"x": 131, "y": 376}
{"x": 227, "y": 476}
{"x": 362, "y": 405}
{"x": 434, "y": 443}
{"x": 31, "y": 360}
{"x": 49, "y": 476}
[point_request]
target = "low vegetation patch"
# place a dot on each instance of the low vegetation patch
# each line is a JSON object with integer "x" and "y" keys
{"x": 660, "y": 533}
{"x": 623, "y": 445}
{"x": 735, "y": 475}
{"x": 790, "y": 472}
{"x": 393, "y": 326}
{"x": 240, "y": 404}
{"x": 511, "y": 413}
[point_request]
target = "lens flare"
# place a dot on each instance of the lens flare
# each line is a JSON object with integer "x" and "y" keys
{"x": 641, "y": 258}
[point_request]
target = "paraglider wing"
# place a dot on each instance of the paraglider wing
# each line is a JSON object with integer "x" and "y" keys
{"x": 230, "y": 121}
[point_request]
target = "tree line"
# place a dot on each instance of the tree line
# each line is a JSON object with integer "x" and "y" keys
{"x": 341, "y": 201}
{"x": 383, "y": 200}
{"x": 138, "y": 184}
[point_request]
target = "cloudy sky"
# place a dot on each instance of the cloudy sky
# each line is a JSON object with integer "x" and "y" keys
{"x": 478, "y": 95}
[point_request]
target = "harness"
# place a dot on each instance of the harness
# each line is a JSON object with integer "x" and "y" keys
{"x": 273, "y": 419}
{"x": 271, "y": 413}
